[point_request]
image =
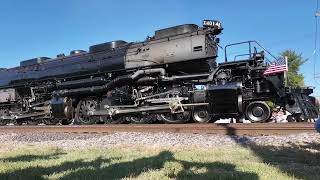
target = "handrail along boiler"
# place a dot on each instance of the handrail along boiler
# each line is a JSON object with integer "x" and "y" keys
{"x": 142, "y": 82}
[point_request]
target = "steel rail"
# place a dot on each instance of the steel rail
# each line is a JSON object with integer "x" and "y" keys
{"x": 225, "y": 129}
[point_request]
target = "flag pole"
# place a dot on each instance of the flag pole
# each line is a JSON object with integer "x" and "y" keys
{"x": 286, "y": 78}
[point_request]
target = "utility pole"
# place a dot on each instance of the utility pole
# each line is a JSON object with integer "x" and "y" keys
{"x": 317, "y": 14}
{"x": 286, "y": 77}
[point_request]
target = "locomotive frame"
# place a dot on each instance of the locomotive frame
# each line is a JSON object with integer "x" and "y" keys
{"x": 148, "y": 81}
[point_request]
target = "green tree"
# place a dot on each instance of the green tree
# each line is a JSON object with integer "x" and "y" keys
{"x": 295, "y": 60}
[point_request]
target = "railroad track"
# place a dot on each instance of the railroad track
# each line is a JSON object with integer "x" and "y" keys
{"x": 227, "y": 129}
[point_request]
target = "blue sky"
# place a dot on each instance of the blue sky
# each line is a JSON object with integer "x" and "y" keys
{"x": 46, "y": 28}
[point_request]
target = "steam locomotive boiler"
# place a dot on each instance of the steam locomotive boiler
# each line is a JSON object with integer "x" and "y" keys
{"x": 143, "y": 82}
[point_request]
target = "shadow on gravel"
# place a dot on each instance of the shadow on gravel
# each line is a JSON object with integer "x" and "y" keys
{"x": 99, "y": 169}
{"x": 31, "y": 157}
{"x": 300, "y": 161}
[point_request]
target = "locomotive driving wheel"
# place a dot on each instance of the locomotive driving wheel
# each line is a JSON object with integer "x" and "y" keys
{"x": 258, "y": 111}
{"x": 3, "y": 121}
{"x": 33, "y": 121}
{"x": 178, "y": 118}
{"x": 201, "y": 115}
{"x": 117, "y": 119}
{"x": 83, "y": 108}
{"x": 114, "y": 119}
{"x": 51, "y": 121}
{"x": 142, "y": 118}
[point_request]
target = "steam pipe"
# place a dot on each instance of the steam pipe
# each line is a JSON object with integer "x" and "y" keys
{"x": 187, "y": 77}
{"x": 95, "y": 89}
{"x": 138, "y": 74}
{"x": 138, "y": 77}
{"x": 117, "y": 82}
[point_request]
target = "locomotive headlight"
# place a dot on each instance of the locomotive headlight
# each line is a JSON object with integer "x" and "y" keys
{"x": 212, "y": 24}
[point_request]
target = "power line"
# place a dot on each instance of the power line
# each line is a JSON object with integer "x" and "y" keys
{"x": 317, "y": 14}
{"x": 316, "y": 34}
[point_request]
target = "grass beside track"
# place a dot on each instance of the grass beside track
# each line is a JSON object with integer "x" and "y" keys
{"x": 229, "y": 162}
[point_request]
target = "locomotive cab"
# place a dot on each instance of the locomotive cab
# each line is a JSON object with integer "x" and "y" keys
{"x": 239, "y": 89}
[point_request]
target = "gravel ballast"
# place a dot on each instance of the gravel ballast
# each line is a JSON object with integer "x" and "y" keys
{"x": 78, "y": 141}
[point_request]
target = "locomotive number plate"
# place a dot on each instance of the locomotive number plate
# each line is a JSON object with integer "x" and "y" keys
{"x": 211, "y": 23}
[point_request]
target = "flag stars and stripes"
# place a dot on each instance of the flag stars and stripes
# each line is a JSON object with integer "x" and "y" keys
{"x": 278, "y": 66}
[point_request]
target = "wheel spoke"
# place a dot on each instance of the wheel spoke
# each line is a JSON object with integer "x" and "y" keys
{"x": 142, "y": 119}
{"x": 85, "y": 106}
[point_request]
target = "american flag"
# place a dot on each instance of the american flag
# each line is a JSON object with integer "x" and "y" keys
{"x": 278, "y": 66}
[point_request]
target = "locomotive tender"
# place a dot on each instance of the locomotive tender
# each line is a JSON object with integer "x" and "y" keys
{"x": 143, "y": 82}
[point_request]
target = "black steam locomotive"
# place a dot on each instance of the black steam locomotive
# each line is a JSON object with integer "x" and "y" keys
{"x": 172, "y": 77}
